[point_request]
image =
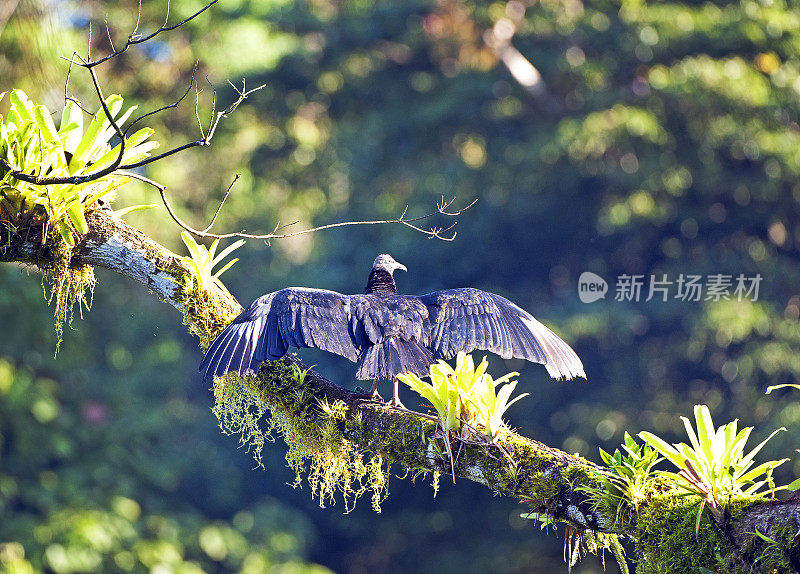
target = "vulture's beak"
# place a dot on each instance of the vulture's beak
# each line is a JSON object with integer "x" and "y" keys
{"x": 401, "y": 266}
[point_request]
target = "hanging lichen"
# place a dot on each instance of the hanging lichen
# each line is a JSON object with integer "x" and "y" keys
{"x": 66, "y": 285}
{"x": 332, "y": 466}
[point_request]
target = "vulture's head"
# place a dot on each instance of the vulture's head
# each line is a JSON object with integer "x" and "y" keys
{"x": 381, "y": 278}
{"x": 387, "y": 263}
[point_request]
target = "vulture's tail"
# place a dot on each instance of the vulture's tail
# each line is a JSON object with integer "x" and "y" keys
{"x": 391, "y": 357}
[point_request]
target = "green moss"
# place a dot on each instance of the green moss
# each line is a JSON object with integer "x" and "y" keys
{"x": 771, "y": 553}
{"x": 203, "y": 312}
{"x": 666, "y": 541}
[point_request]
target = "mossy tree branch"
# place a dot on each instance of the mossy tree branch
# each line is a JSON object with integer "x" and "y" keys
{"x": 549, "y": 480}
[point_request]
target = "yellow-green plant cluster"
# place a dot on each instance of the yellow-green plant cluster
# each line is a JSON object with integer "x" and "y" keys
{"x": 30, "y": 143}
{"x": 202, "y": 260}
{"x": 715, "y": 466}
{"x": 626, "y": 479}
{"x": 466, "y": 394}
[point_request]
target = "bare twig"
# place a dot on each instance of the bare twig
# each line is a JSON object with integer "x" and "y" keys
{"x": 433, "y": 232}
{"x": 117, "y": 165}
{"x": 136, "y": 38}
{"x": 174, "y": 104}
{"x": 221, "y": 203}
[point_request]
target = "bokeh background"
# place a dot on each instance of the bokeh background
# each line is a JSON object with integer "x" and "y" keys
{"x": 661, "y": 137}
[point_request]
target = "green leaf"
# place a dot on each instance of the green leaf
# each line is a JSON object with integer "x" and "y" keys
{"x": 21, "y": 105}
{"x": 663, "y": 447}
{"x": 227, "y": 251}
{"x": 747, "y": 459}
{"x": 209, "y": 255}
{"x": 71, "y": 126}
{"x": 691, "y": 434}
{"x": 75, "y": 212}
{"x": 765, "y": 538}
{"x": 730, "y": 445}
{"x": 191, "y": 245}
{"x": 699, "y": 518}
{"x": 225, "y": 268}
{"x": 607, "y": 458}
{"x": 126, "y": 210}
{"x": 762, "y": 468}
{"x": 92, "y": 140}
{"x": 775, "y": 387}
{"x": 794, "y": 485}
{"x": 45, "y": 123}
{"x": 706, "y": 434}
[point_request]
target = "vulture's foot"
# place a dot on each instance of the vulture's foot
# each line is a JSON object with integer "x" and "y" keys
{"x": 396, "y": 404}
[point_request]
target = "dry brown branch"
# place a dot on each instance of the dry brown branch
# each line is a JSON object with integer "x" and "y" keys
{"x": 432, "y": 232}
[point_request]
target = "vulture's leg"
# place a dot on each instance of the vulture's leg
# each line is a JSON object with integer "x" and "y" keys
{"x": 372, "y": 394}
{"x": 395, "y": 402}
{"x": 374, "y": 391}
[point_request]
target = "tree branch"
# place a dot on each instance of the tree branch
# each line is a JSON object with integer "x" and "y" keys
{"x": 443, "y": 208}
{"x": 549, "y": 480}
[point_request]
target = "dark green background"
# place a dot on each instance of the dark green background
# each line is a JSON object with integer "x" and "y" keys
{"x": 672, "y": 148}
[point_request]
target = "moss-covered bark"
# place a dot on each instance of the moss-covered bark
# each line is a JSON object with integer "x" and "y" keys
{"x": 342, "y": 441}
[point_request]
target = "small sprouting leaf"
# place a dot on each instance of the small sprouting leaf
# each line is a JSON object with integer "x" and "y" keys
{"x": 775, "y": 387}
{"x": 765, "y": 538}
{"x": 126, "y": 210}
{"x": 227, "y": 251}
{"x": 699, "y": 518}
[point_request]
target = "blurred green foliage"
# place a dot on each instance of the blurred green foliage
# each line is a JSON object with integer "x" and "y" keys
{"x": 673, "y": 149}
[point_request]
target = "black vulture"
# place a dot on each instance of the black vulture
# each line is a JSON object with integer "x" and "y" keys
{"x": 384, "y": 332}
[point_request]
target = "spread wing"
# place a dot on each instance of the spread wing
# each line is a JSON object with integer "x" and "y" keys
{"x": 469, "y": 319}
{"x": 292, "y": 317}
